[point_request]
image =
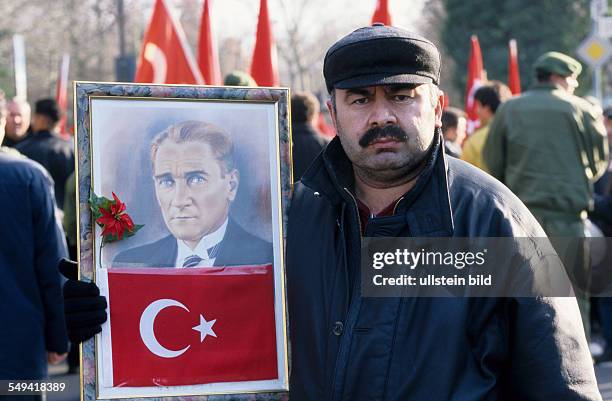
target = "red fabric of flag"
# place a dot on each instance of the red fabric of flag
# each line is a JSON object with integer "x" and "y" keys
{"x": 381, "y": 13}
{"x": 474, "y": 81}
{"x": 514, "y": 76}
{"x": 264, "y": 68}
{"x": 324, "y": 128}
{"x": 61, "y": 92}
{"x": 174, "y": 327}
{"x": 207, "y": 51}
{"x": 165, "y": 56}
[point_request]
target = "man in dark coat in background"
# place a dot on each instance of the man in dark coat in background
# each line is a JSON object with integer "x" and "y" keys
{"x": 31, "y": 305}
{"x": 307, "y": 141}
{"x": 47, "y": 148}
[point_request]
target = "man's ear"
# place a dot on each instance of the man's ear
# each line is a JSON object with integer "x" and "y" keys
{"x": 332, "y": 113}
{"x": 234, "y": 181}
{"x": 439, "y": 109}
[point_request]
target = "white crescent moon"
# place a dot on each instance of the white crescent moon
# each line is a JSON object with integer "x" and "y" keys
{"x": 154, "y": 55}
{"x": 146, "y": 328}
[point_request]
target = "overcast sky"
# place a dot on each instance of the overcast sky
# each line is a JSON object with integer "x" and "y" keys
{"x": 238, "y": 18}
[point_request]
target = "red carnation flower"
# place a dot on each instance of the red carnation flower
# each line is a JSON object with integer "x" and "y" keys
{"x": 116, "y": 221}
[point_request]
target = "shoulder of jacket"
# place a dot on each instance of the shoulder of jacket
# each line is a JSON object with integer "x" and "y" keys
{"x": 485, "y": 194}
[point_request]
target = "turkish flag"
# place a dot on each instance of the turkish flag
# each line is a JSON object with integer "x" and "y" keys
{"x": 173, "y": 327}
{"x": 514, "y": 76}
{"x": 207, "y": 51}
{"x": 165, "y": 57}
{"x": 381, "y": 13}
{"x": 474, "y": 81}
{"x": 264, "y": 68}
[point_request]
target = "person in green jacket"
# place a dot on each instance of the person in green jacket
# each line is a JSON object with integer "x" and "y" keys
{"x": 549, "y": 147}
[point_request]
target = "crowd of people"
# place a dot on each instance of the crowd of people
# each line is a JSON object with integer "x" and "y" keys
{"x": 537, "y": 165}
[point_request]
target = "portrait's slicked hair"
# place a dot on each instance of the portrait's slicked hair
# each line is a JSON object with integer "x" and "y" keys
{"x": 217, "y": 138}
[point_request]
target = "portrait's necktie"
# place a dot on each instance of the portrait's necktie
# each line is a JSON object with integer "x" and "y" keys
{"x": 194, "y": 260}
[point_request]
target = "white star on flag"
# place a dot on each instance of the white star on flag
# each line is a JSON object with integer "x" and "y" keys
{"x": 205, "y": 328}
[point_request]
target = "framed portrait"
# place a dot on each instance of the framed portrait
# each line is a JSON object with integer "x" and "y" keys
{"x": 183, "y": 194}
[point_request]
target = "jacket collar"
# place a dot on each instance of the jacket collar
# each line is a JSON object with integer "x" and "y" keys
{"x": 546, "y": 86}
{"x": 426, "y": 206}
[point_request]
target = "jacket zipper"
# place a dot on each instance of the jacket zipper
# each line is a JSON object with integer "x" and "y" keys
{"x": 397, "y": 203}
{"x": 344, "y": 343}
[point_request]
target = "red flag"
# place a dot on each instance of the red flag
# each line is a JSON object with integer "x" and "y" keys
{"x": 514, "y": 76}
{"x": 323, "y": 127}
{"x": 264, "y": 65}
{"x": 207, "y": 51}
{"x": 192, "y": 326}
{"x": 381, "y": 13}
{"x": 446, "y": 100}
{"x": 61, "y": 92}
{"x": 165, "y": 56}
{"x": 474, "y": 81}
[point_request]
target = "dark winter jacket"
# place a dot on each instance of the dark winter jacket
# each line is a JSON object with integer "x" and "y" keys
{"x": 346, "y": 347}
{"x": 55, "y": 154}
{"x": 31, "y": 245}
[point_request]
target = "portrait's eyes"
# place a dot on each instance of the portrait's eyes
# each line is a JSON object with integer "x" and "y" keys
{"x": 165, "y": 182}
{"x": 196, "y": 179}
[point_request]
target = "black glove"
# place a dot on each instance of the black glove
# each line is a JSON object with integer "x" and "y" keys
{"x": 84, "y": 307}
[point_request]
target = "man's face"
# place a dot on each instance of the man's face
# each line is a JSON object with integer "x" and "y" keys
{"x": 18, "y": 120}
{"x": 193, "y": 190}
{"x": 387, "y": 130}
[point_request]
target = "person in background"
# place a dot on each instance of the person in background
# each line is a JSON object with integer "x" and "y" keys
{"x": 454, "y": 130}
{"x": 239, "y": 78}
{"x": 17, "y": 122}
{"x": 31, "y": 304}
{"x": 601, "y": 216}
{"x": 307, "y": 141}
{"x": 549, "y": 147}
{"x": 47, "y": 148}
{"x": 488, "y": 98}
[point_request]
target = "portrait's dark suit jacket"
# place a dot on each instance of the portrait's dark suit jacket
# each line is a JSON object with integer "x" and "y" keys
{"x": 238, "y": 247}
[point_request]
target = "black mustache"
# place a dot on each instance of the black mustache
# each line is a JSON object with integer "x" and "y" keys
{"x": 388, "y": 131}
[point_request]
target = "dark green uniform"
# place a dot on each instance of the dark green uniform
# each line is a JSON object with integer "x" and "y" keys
{"x": 549, "y": 147}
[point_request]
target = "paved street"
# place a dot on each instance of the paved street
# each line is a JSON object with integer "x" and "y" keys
{"x": 603, "y": 372}
{"x": 604, "y": 378}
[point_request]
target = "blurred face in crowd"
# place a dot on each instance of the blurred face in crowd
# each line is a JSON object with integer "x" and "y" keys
{"x": 18, "y": 120}
{"x": 193, "y": 189}
{"x": 3, "y": 114}
{"x": 484, "y": 113}
{"x": 386, "y": 131}
{"x": 41, "y": 122}
{"x": 569, "y": 83}
{"x": 457, "y": 134}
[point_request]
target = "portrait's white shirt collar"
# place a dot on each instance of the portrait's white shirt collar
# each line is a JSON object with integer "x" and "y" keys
{"x": 207, "y": 242}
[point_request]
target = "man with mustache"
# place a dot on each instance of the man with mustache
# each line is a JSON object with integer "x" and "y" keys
{"x": 386, "y": 175}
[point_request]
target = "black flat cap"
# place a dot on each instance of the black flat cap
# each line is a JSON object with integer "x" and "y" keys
{"x": 381, "y": 55}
